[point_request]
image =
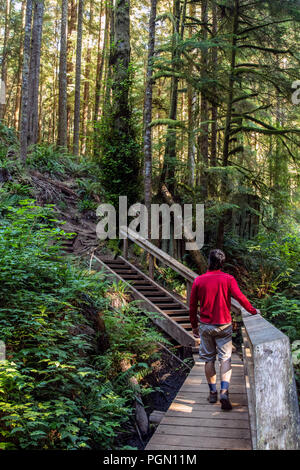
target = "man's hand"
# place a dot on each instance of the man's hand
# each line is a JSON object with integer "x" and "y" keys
{"x": 196, "y": 332}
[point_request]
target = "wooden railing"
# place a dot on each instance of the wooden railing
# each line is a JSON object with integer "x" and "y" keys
{"x": 270, "y": 382}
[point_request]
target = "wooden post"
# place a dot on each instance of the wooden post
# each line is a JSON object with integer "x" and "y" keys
{"x": 188, "y": 291}
{"x": 151, "y": 266}
{"x": 274, "y": 396}
{"x": 125, "y": 248}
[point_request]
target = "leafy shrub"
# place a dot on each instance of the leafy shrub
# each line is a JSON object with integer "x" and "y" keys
{"x": 55, "y": 391}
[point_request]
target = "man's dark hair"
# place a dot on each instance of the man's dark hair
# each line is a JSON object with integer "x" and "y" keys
{"x": 216, "y": 259}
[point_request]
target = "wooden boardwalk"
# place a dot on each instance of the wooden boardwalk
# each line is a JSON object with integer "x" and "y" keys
{"x": 191, "y": 423}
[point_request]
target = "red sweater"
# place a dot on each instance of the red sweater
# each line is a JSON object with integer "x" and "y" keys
{"x": 213, "y": 290}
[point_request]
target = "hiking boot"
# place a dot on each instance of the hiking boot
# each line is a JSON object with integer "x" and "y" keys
{"x": 213, "y": 397}
{"x": 224, "y": 400}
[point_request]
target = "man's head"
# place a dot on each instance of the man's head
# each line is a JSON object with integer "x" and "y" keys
{"x": 216, "y": 259}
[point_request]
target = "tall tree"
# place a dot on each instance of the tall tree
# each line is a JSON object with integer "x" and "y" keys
{"x": 169, "y": 165}
{"x": 121, "y": 153}
{"x": 203, "y": 138}
{"x": 148, "y": 114}
{"x": 101, "y": 54}
{"x": 71, "y": 28}
{"x": 25, "y": 81}
{"x": 192, "y": 104}
{"x": 34, "y": 72}
{"x": 4, "y": 56}
{"x": 62, "y": 102}
{"x": 17, "y": 111}
{"x": 77, "y": 78}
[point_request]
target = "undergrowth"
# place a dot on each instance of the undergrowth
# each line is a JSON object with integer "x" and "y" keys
{"x": 61, "y": 386}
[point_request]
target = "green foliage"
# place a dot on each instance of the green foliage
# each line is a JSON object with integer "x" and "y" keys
{"x": 50, "y": 159}
{"x": 55, "y": 392}
{"x": 86, "y": 205}
{"x": 119, "y": 163}
{"x": 284, "y": 313}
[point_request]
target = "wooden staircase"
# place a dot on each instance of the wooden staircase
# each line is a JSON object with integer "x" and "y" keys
{"x": 163, "y": 307}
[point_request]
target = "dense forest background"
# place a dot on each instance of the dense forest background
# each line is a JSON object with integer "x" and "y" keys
{"x": 163, "y": 101}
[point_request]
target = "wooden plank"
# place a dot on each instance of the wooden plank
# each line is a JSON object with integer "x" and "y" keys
{"x": 201, "y": 397}
{"x": 198, "y": 379}
{"x": 202, "y": 431}
{"x": 233, "y": 389}
{"x": 194, "y": 421}
{"x": 200, "y": 442}
{"x": 200, "y": 413}
{"x": 167, "y": 447}
{"x": 207, "y": 410}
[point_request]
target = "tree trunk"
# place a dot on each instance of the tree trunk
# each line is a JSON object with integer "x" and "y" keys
{"x": 203, "y": 139}
{"x": 99, "y": 74}
{"x": 17, "y": 114}
{"x": 77, "y": 79}
{"x": 196, "y": 255}
{"x": 62, "y": 103}
{"x": 148, "y": 116}
{"x": 4, "y": 59}
{"x": 169, "y": 166}
{"x": 72, "y": 19}
{"x": 25, "y": 81}
{"x": 224, "y": 185}
{"x": 214, "y": 110}
{"x": 192, "y": 102}
{"x": 34, "y": 73}
{"x": 87, "y": 75}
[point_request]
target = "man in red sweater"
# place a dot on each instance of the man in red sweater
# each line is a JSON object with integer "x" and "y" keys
{"x": 213, "y": 291}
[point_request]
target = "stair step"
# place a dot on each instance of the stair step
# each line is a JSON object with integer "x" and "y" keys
{"x": 133, "y": 276}
{"x": 180, "y": 319}
{"x": 117, "y": 266}
{"x": 149, "y": 288}
{"x": 176, "y": 312}
{"x": 114, "y": 261}
{"x": 161, "y": 298}
{"x": 125, "y": 271}
{"x": 162, "y": 306}
{"x": 155, "y": 295}
{"x": 140, "y": 282}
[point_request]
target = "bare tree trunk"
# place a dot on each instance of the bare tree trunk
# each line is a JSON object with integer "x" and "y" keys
{"x": 72, "y": 19}
{"x": 214, "y": 110}
{"x": 106, "y": 99}
{"x": 17, "y": 115}
{"x": 148, "y": 116}
{"x": 99, "y": 73}
{"x": 86, "y": 93}
{"x": 192, "y": 102}
{"x": 62, "y": 104}
{"x": 168, "y": 171}
{"x": 77, "y": 79}
{"x": 203, "y": 139}
{"x": 4, "y": 56}
{"x": 25, "y": 81}
{"x": 224, "y": 185}
{"x": 34, "y": 73}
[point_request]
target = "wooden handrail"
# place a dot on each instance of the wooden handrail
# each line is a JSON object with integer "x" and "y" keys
{"x": 185, "y": 272}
